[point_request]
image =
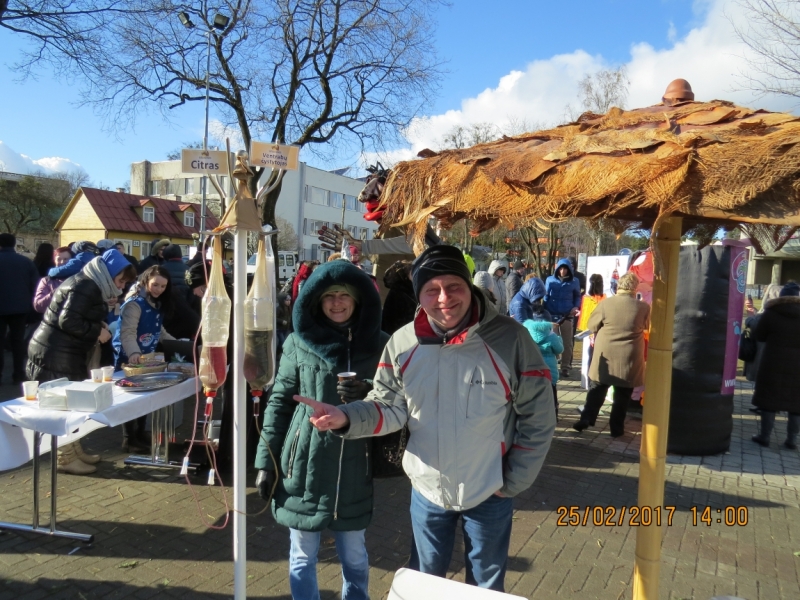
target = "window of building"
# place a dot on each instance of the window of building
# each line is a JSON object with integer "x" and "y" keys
{"x": 144, "y": 250}
{"x": 38, "y": 242}
{"x": 188, "y": 186}
{"x": 155, "y": 187}
{"x": 188, "y": 218}
{"x": 353, "y": 230}
{"x": 350, "y": 202}
{"x": 337, "y": 200}
{"x": 184, "y": 249}
{"x": 168, "y": 187}
{"x": 364, "y": 233}
{"x": 317, "y": 195}
{"x": 311, "y": 226}
{"x": 149, "y": 214}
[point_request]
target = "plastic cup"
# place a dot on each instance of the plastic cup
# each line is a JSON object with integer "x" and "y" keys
{"x": 108, "y": 373}
{"x": 97, "y": 375}
{"x": 347, "y": 375}
{"x": 29, "y": 389}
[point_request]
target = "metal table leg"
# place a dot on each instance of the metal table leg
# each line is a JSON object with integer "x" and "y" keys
{"x": 34, "y": 528}
{"x": 162, "y": 430}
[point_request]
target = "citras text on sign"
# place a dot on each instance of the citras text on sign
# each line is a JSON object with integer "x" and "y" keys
{"x": 203, "y": 161}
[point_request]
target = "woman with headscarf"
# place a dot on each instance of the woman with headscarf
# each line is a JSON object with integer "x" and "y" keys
{"x": 619, "y": 325}
{"x": 323, "y": 481}
{"x": 777, "y": 381}
{"x": 497, "y": 269}
{"x": 73, "y": 325}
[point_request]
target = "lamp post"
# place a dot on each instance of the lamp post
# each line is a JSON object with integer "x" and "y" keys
{"x": 219, "y": 23}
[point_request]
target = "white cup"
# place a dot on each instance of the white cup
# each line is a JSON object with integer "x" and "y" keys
{"x": 108, "y": 373}
{"x": 97, "y": 375}
{"x": 29, "y": 389}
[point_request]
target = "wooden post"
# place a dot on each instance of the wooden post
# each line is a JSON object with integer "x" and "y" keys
{"x": 655, "y": 418}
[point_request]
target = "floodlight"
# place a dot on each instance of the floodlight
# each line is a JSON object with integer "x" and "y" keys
{"x": 220, "y": 21}
{"x": 185, "y": 20}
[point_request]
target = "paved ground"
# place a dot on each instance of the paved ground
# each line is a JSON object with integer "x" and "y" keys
{"x": 151, "y": 540}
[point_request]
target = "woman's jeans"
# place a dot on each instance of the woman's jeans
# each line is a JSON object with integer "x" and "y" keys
{"x": 487, "y": 533}
{"x": 352, "y": 553}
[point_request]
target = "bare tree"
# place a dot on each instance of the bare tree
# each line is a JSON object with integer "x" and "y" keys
{"x": 287, "y": 237}
{"x": 64, "y": 33}
{"x": 323, "y": 74}
{"x": 465, "y": 136}
{"x": 27, "y": 203}
{"x": 771, "y": 30}
{"x": 600, "y": 91}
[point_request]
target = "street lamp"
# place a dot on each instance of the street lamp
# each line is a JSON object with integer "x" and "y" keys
{"x": 219, "y": 23}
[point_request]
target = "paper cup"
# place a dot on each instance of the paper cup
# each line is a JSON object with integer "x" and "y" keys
{"x": 29, "y": 389}
{"x": 346, "y": 375}
{"x": 97, "y": 375}
{"x": 108, "y": 373}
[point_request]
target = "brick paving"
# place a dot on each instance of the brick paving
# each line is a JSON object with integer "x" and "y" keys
{"x": 150, "y": 541}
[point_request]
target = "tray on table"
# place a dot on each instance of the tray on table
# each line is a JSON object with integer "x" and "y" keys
{"x": 150, "y": 381}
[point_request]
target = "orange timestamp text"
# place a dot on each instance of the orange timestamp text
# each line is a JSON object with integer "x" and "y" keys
{"x": 613, "y": 516}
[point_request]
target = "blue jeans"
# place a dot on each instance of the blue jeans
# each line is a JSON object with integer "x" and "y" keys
{"x": 352, "y": 553}
{"x": 487, "y": 533}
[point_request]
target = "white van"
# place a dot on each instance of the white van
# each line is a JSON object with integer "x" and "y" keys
{"x": 287, "y": 265}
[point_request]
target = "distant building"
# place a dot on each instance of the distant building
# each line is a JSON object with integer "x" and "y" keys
{"x": 778, "y": 267}
{"x": 132, "y": 219}
{"x": 309, "y": 199}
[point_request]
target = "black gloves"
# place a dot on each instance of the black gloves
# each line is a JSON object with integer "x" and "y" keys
{"x": 265, "y": 481}
{"x": 353, "y": 389}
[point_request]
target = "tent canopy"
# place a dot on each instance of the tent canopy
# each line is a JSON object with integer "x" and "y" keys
{"x": 710, "y": 163}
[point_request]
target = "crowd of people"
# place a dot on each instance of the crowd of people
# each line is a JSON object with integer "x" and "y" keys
{"x": 463, "y": 365}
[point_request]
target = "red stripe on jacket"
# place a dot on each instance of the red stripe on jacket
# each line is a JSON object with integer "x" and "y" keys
{"x": 499, "y": 374}
{"x": 538, "y": 373}
{"x": 408, "y": 360}
{"x": 386, "y": 365}
{"x": 380, "y": 419}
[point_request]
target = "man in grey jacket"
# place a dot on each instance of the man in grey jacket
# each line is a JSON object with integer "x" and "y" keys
{"x": 476, "y": 395}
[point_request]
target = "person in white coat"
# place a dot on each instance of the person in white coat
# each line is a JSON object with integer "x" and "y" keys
{"x": 498, "y": 269}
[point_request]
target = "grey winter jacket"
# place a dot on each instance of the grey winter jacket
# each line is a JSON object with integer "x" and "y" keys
{"x": 479, "y": 408}
{"x": 499, "y": 286}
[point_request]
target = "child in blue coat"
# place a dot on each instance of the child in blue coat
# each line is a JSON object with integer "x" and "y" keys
{"x": 550, "y": 345}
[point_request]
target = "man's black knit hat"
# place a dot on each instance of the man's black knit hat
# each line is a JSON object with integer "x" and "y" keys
{"x": 437, "y": 261}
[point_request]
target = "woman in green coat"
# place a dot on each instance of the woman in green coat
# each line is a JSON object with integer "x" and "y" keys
{"x": 324, "y": 481}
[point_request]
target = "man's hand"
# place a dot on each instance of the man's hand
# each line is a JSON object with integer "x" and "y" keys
{"x": 134, "y": 358}
{"x": 353, "y": 389}
{"x": 574, "y": 312}
{"x": 500, "y": 494}
{"x": 265, "y": 482}
{"x": 326, "y": 416}
{"x": 332, "y": 238}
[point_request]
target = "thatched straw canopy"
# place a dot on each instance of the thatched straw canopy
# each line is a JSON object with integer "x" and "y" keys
{"x": 709, "y": 162}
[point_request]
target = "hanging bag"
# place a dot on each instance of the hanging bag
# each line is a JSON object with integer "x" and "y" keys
{"x": 387, "y": 454}
{"x": 747, "y": 346}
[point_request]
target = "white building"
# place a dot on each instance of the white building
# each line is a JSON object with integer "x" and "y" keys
{"x": 309, "y": 199}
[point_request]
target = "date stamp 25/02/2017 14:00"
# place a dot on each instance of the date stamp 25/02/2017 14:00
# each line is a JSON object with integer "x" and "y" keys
{"x": 644, "y": 516}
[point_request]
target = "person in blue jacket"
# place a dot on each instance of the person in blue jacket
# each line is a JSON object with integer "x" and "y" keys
{"x": 84, "y": 253}
{"x": 563, "y": 300}
{"x": 528, "y": 300}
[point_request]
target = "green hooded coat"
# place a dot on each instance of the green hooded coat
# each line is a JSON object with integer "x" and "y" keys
{"x": 325, "y": 481}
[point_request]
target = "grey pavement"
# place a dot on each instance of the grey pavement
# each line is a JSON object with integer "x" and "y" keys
{"x": 157, "y": 537}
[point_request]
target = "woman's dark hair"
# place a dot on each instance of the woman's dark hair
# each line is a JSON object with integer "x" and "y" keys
{"x": 165, "y": 301}
{"x": 61, "y": 249}
{"x": 128, "y": 273}
{"x": 44, "y": 260}
{"x": 595, "y": 285}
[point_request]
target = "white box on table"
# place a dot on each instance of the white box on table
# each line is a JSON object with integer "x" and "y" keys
{"x": 86, "y": 396}
{"x": 53, "y": 394}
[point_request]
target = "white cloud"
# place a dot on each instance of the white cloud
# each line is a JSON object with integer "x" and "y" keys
{"x": 710, "y": 57}
{"x": 12, "y": 161}
{"x": 218, "y": 132}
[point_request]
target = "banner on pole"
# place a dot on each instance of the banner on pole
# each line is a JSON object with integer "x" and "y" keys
{"x": 274, "y": 156}
{"x": 194, "y": 160}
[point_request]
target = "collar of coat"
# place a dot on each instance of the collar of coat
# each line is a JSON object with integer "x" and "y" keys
{"x": 782, "y": 301}
{"x": 482, "y": 312}
{"x": 311, "y": 325}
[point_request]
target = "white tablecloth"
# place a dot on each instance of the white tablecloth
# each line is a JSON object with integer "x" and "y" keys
{"x": 20, "y": 418}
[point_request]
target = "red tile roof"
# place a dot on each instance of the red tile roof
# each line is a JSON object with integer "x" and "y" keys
{"x": 117, "y": 212}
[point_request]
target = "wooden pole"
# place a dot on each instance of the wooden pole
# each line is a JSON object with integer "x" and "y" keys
{"x": 655, "y": 418}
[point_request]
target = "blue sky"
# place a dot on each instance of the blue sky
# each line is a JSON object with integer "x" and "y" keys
{"x": 506, "y": 59}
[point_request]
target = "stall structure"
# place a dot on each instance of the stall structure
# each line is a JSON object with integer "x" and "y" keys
{"x": 669, "y": 168}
